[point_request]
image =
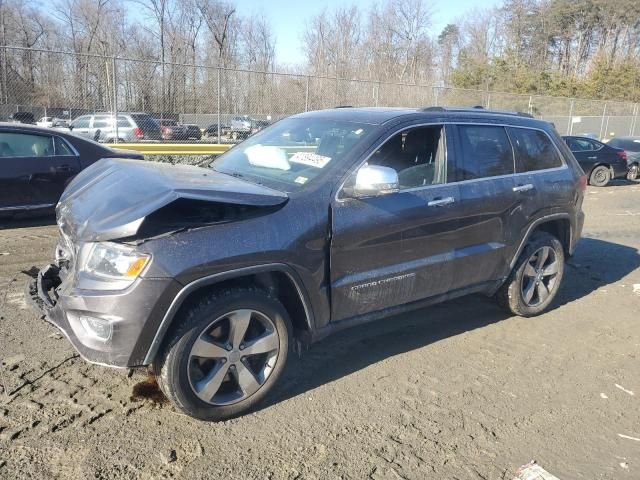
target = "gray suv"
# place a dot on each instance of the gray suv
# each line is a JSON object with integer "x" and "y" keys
{"x": 322, "y": 221}
{"x": 129, "y": 128}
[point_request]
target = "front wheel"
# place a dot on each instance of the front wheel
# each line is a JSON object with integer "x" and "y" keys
{"x": 634, "y": 173}
{"x": 535, "y": 278}
{"x": 226, "y": 354}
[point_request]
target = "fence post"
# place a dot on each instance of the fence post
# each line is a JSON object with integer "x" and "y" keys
{"x": 634, "y": 118}
{"x": 604, "y": 113}
{"x": 377, "y": 97}
{"x": 570, "y": 123}
{"x": 436, "y": 93}
{"x": 114, "y": 86}
{"x": 530, "y": 104}
{"x": 219, "y": 94}
{"x": 306, "y": 95}
{"x": 488, "y": 100}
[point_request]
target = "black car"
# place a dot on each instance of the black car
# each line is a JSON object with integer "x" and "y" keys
{"x": 631, "y": 146}
{"x": 323, "y": 221}
{"x": 601, "y": 162}
{"x": 193, "y": 132}
{"x": 36, "y": 164}
{"x": 212, "y": 130}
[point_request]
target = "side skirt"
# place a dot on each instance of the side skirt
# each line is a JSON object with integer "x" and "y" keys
{"x": 486, "y": 287}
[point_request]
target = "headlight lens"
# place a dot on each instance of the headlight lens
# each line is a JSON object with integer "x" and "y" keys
{"x": 117, "y": 262}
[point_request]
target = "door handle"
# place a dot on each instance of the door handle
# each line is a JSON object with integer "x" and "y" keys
{"x": 523, "y": 188}
{"x": 592, "y": 158}
{"x": 63, "y": 168}
{"x": 439, "y": 202}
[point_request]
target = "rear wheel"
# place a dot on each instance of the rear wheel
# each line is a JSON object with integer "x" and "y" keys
{"x": 226, "y": 354}
{"x": 535, "y": 278}
{"x": 634, "y": 172}
{"x": 600, "y": 176}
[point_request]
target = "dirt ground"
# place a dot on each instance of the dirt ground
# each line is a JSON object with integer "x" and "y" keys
{"x": 459, "y": 390}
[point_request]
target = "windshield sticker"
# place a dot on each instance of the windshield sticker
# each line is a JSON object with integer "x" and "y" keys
{"x": 311, "y": 159}
{"x": 267, "y": 156}
{"x": 301, "y": 180}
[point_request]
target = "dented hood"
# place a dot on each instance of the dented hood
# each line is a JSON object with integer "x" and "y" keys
{"x": 111, "y": 198}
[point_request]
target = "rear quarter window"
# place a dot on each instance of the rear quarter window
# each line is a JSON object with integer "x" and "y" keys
{"x": 534, "y": 150}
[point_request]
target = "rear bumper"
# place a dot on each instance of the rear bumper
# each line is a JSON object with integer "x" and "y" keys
{"x": 126, "y": 312}
{"x": 620, "y": 170}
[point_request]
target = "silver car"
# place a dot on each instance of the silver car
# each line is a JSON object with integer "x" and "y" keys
{"x": 131, "y": 127}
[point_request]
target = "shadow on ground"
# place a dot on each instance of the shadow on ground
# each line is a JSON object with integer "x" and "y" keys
{"x": 596, "y": 263}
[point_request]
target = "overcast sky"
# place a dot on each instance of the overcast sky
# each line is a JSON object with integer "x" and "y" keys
{"x": 289, "y": 18}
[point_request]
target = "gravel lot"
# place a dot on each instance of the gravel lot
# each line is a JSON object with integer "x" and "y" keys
{"x": 459, "y": 390}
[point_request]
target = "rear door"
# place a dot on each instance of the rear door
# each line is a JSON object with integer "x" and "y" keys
{"x": 396, "y": 248}
{"x": 542, "y": 178}
{"x": 484, "y": 171}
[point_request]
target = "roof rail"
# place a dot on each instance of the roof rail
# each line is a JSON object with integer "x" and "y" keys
{"x": 476, "y": 109}
{"x": 344, "y": 106}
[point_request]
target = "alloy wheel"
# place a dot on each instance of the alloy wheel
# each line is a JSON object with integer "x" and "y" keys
{"x": 233, "y": 357}
{"x": 540, "y": 276}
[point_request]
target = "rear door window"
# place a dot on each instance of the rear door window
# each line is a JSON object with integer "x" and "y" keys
{"x": 534, "y": 150}
{"x": 485, "y": 152}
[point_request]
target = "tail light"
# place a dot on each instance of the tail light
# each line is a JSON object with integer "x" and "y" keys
{"x": 622, "y": 154}
{"x": 582, "y": 183}
{"x": 138, "y": 132}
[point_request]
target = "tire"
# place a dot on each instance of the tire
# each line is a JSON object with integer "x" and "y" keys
{"x": 600, "y": 176}
{"x": 540, "y": 288}
{"x": 205, "y": 368}
{"x": 634, "y": 173}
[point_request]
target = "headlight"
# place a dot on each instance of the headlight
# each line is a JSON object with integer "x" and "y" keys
{"x": 115, "y": 262}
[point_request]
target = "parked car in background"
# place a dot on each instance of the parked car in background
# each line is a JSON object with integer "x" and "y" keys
{"x": 212, "y": 130}
{"x": 46, "y": 122}
{"x": 631, "y": 145}
{"x": 193, "y": 132}
{"x": 257, "y": 125}
{"x": 240, "y": 127}
{"x": 22, "y": 117}
{"x": 324, "y": 221}
{"x": 60, "y": 123}
{"x": 171, "y": 129}
{"x": 601, "y": 162}
{"x": 36, "y": 164}
{"x": 131, "y": 127}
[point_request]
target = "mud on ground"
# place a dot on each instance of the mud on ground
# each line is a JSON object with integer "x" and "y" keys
{"x": 459, "y": 390}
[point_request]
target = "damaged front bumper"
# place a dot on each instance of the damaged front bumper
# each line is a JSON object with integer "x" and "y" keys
{"x": 112, "y": 328}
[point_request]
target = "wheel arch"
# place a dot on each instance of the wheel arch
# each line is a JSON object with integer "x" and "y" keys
{"x": 558, "y": 225}
{"x": 279, "y": 279}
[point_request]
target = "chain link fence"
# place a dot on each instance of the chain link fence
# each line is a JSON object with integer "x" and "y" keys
{"x": 65, "y": 86}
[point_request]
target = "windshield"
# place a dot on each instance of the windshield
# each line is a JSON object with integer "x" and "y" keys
{"x": 292, "y": 152}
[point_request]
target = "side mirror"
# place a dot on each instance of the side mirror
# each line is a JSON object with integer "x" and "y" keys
{"x": 70, "y": 127}
{"x": 374, "y": 180}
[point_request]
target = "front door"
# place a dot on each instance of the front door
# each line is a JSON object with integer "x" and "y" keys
{"x": 396, "y": 248}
